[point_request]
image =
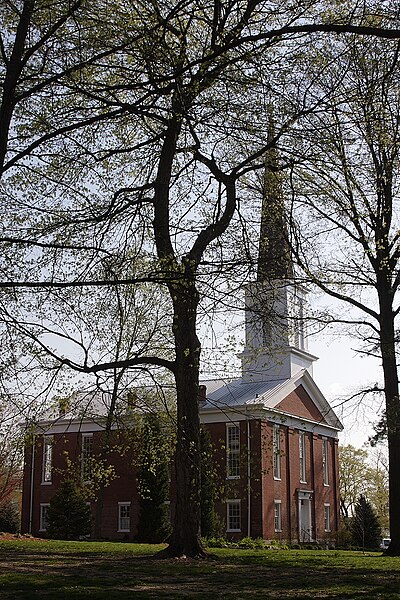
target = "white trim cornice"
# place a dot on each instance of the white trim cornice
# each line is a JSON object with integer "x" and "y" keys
{"x": 246, "y": 412}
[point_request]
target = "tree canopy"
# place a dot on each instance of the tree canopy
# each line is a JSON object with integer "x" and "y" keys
{"x": 362, "y": 473}
{"x": 353, "y": 204}
{"x": 131, "y": 133}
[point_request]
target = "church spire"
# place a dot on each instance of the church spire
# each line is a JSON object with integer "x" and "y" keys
{"x": 274, "y": 258}
{"x": 275, "y": 335}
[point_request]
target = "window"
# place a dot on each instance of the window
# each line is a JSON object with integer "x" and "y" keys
{"x": 301, "y": 323}
{"x": 44, "y": 517}
{"x": 86, "y": 456}
{"x": 233, "y": 451}
{"x": 233, "y": 515}
{"x": 325, "y": 460}
{"x": 302, "y": 456}
{"x": 266, "y": 332}
{"x": 277, "y": 452}
{"x": 47, "y": 463}
{"x": 124, "y": 516}
{"x": 277, "y": 515}
{"x": 296, "y": 312}
{"x": 327, "y": 517}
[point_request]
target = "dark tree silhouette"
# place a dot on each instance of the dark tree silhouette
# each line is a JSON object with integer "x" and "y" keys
{"x": 9, "y": 517}
{"x": 364, "y": 525}
{"x": 68, "y": 514}
{"x": 154, "y": 525}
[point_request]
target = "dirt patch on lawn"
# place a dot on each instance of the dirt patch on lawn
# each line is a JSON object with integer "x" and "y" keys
{"x": 19, "y": 536}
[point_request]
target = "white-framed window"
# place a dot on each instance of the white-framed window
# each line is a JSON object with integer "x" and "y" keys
{"x": 266, "y": 332}
{"x": 277, "y": 451}
{"x": 47, "y": 462}
{"x": 124, "y": 516}
{"x": 302, "y": 456}
{"x": 278, "y": 515}
{"x": 327, "y": 517}
{"x": 301, "y": 323}
{"x": 296, "y": 312}
{"x": 232, "y": 451}
{"x": 44, "y": 517}
{"x": 86, "y": 456}
{"x": 325, "y": 460}
{"x": 233, "y": 515}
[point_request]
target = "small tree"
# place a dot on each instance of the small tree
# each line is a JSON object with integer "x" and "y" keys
{"x": 366, "y": 474}
{"x": 9, "y": 518}
{"x": 153, "y": 482}
{"x": 210, "y": 523}
{"x": 365, "y": 528}
{"x": 354, "y": 478}
{"x": 69, "y": 515}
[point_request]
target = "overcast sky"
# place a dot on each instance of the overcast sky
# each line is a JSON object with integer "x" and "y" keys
{"x": 339, "y": 373}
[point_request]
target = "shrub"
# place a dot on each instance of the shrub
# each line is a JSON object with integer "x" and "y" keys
{"x": 216, "y": 542}
{"x": 69, "y": 516}
{"x": 9, "y": 518}
{"x": 251, "y": 543}
{"x": 247, "y": 543}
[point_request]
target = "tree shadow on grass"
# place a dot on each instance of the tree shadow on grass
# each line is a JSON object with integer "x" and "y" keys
{"x": 58, "y": 576}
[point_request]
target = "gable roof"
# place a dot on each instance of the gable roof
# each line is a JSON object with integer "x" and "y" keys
{"x": 236, "y": 394}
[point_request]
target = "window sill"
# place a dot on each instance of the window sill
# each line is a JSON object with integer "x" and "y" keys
{"x": 278, "y": 530}
{"x": 277, "y": 478}
{"x": 233, "y": 531}
{"x": 233, "y": 476}
{"x": 326, "y": 485}
{"x": 46, "y": 483}
{"x": 123, "y": 530}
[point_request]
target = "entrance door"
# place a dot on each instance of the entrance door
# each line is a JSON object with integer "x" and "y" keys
{"x": 305, "y": 525}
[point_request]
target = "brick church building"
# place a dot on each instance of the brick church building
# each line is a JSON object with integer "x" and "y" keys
{"x": 274, "y": 433}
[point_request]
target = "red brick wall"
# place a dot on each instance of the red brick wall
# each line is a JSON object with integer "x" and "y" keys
{"x": 299, "y": 403}
{"x": 286, "y": 489}
{"x": 325, "y": 494}
{"x": 43, "y": 492}
{"x": 67, "y": 446}
{"x": 250, "y": 472}
{"x": 264, "y": 489}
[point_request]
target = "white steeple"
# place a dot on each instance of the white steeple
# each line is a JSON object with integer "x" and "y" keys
{"x": 275, "y": 335}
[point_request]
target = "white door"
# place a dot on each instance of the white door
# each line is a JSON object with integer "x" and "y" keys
{"x": 305, "y": 526}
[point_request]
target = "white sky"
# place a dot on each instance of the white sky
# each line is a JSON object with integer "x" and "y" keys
{"x": 339, "y": 373}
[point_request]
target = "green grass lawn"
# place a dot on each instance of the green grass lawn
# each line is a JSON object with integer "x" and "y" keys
{"x": 111, "y": 571}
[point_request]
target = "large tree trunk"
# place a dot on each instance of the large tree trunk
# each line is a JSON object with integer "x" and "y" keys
{"x": 391, "y": 384}
{"x": 104, "y": 451}
{"x": 185, "y": 538}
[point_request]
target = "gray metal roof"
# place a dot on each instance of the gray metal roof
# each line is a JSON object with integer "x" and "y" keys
{"x": 221, "y": 394}
{"x": 236, "y": 392}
